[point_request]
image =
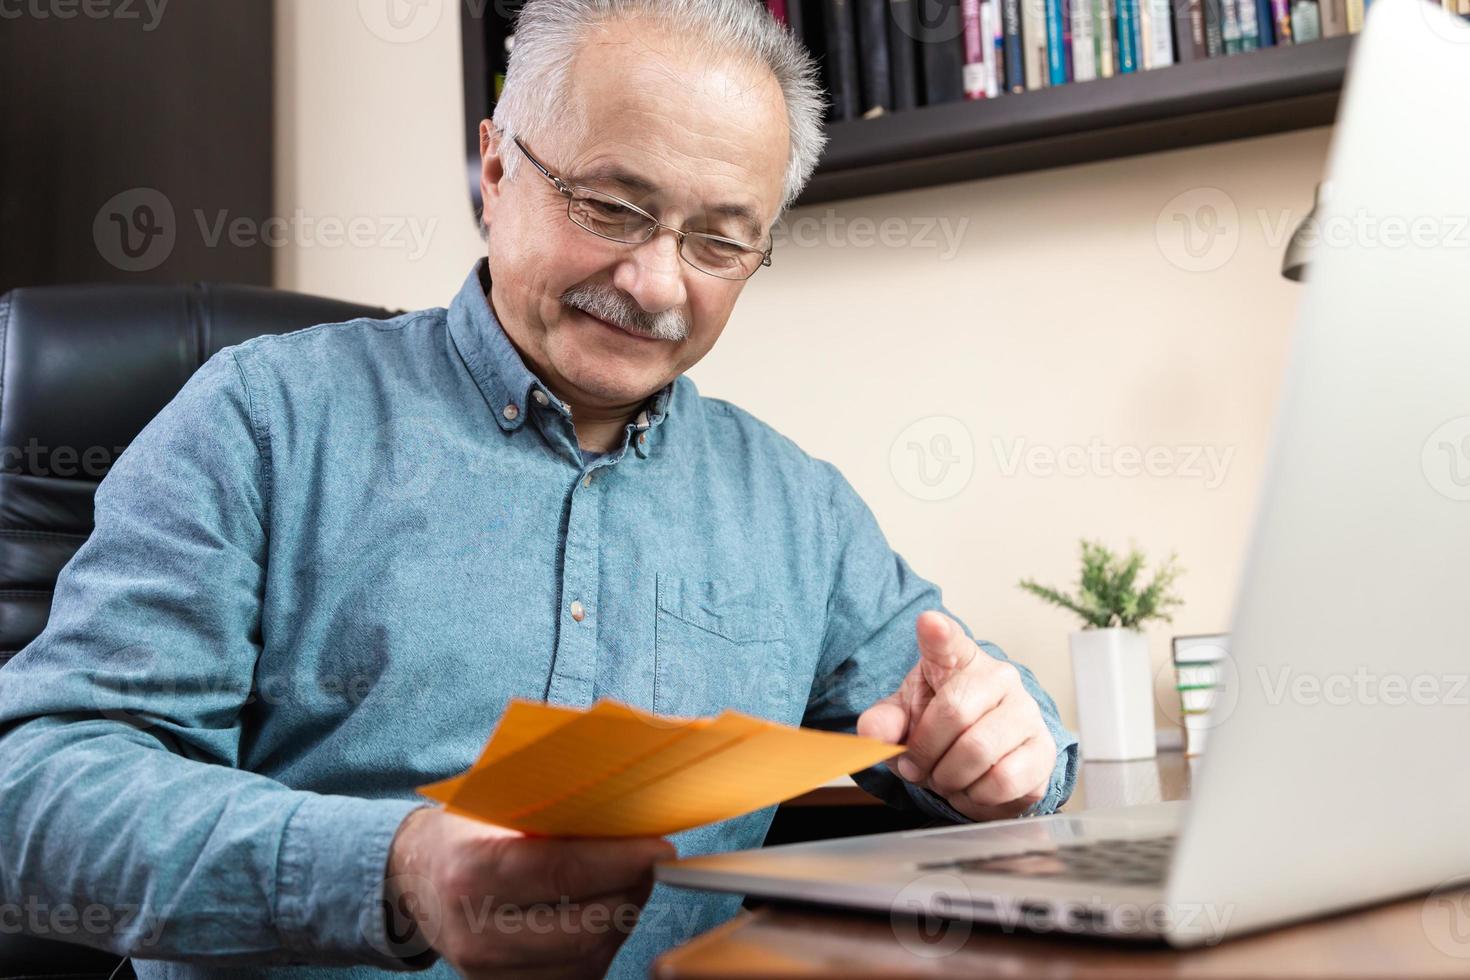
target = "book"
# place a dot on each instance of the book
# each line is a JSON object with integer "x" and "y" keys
{"x": 1127, "y": 36}
{"x": 1355, "y": 15}
{"x": 1084, "y": 46}
{"x": 902, "y": 54}
{"x": 1199, "y": 670}
{"x": 1189, "y": 30}
{"x": 1281, "y": 21}
{"x": 1033, "y": 41}
{"x": 1014, "y": 58}
{"x": 975, "y": 44}
{"x": 1306, "y": 22}
{"x": 990, "y": 26}
{"x": 1250, "y": 32}
{"x": 942, "y": 59}
{"x": 1056, "y": 59}
{"x": 1103, "y": 33}
{"x": 1161, "y": 33}
{"x": 842, "y": 69}
{"x": 1333, "y": 15}
{"x": 1143, "y": 14}
{"x": 872, "y": 32}
{"x": 1230, "y": 27}
{"x": 1265, "y": 24}
{"x": 1215, "y": 28}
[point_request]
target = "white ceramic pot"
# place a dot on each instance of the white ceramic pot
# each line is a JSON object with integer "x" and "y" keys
{"x": 1115, "y": 688}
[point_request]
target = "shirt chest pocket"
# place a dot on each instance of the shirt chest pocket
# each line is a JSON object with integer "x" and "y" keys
{"x": 723, "y": 644}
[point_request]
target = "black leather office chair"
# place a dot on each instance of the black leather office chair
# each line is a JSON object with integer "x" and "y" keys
{"x": 82, "y": 370}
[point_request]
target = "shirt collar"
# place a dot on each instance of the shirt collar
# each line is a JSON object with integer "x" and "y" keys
{"x": 497, "y": 367}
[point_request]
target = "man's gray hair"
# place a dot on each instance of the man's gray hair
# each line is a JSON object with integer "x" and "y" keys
{"x": 549, "y": 33}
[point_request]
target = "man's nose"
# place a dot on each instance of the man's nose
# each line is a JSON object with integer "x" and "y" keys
{"x": 653, "y": 273}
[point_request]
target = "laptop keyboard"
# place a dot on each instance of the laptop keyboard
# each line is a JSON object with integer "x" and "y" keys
{"x": 1121, "y": 861}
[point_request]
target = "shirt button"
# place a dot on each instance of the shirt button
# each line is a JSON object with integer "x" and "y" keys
{"x": 578, "y": 612}
{"x": 510, "y": 412}
{"x": 540, "y": 396}
{"x": 643, "y": 440}
{"x": 587, "y": 480}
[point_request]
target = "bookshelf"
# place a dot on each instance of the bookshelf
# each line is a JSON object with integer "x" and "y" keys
{"x": 1255, "y": 93}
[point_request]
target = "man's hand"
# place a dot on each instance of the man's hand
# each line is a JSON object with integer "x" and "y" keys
{"x": 974, "y": 735}
{"x": 494, "y": 902}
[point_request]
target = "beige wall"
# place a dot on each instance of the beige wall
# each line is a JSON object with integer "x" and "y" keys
{"x": 1070, "y": 314}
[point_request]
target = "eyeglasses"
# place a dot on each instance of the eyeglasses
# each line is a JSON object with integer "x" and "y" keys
{"x": 617, "y": 220}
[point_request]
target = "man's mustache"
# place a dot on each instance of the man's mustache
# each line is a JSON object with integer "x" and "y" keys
{"x": 618, "y": 308}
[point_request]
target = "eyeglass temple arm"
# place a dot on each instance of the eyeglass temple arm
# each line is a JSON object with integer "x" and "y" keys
{"x": 560, "y": 184}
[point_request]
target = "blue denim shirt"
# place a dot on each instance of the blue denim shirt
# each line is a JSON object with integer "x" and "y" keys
{"x": 321, "y": 571}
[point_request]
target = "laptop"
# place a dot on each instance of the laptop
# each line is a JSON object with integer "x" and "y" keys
{"x": 1334, "y": 776}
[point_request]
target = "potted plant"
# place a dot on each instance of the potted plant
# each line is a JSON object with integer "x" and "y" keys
{"x": 1110, "y": 661}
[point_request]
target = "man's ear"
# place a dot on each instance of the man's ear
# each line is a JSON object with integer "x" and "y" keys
{"x": 492, "y": 169}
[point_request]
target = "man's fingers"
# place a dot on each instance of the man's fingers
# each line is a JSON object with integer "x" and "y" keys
{"x": 944, "y": 649}
{"x": 886, "y": 721}
{"x": 964, "y": 700}
{"x": 1022, "y": 775}
{"x": 551, "y": 869}
{"x": 977, "y": 749}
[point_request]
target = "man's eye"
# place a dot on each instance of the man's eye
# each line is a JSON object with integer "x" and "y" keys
{"x": 607, "y": 209}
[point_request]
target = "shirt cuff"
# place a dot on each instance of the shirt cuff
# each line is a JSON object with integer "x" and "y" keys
{"x": 330, "y": 905}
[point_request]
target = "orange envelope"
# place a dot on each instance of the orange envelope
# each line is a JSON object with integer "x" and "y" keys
{"x": 614, "y": 771}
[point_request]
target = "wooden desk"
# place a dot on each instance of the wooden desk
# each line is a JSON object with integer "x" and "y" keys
{"x": 1416, "y": 937}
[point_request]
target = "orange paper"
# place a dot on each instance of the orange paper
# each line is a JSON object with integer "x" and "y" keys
{"x": 615, "y": 771}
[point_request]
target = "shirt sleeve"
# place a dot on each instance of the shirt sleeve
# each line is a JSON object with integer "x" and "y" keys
{"x": 869, "y": 647}
{"x": 120, "y": 726}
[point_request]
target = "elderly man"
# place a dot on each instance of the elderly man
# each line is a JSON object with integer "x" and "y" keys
{"x": 320, "y": 573}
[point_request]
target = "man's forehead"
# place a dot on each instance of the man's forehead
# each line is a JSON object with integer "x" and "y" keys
{"x": 660, "y": 120}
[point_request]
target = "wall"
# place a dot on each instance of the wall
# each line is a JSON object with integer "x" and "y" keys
{"x": 1070, "y": 317}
